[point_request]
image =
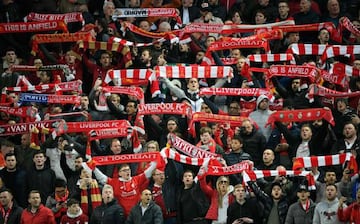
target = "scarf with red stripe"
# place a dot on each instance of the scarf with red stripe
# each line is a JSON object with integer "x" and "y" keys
{"x": 307, "y": 49}
{"x": 34, "y": 27}
{"x": 95, "y": 196}
{"x": 253, "y": 175}
{"x": 329, "y": 160}
{"x": 133, "y": 77}
{"x": 184, "y": 72}
{"x": 337, "y": 50}
{"x": 114, "y": 46}
{"x": 301, "y": 115}
{"x": 270, "y": 58}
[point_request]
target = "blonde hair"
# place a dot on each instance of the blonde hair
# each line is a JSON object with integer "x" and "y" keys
{"x": 220, "y": 197}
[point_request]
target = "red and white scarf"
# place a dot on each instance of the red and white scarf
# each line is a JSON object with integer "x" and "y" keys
{"x": 164, "y": 108}
{"x": 66, "y": 17}
{"x": 181, "y": 72}
{"x": 34, "y": 27}
{"x": 317, "y": 90}
{"x": 329, "y": 160}
{"x": 87, "y": 126}
{"x": 253, "y": 175}
{"x": 23, "y": 128}
{"x": 235, "y": 91}
{"x": 340, "y": 68}
{"x": 231, "y": 28}
{"x": 128, "y": 90}
{"x": 188, "y": 149}
{"x": 124, "y": 74}
{"x": 271, "y": 58}
{"x": 108, "y": 133}
{"x": 293, "y": 71}
{"x": 307, "y": 49}
{"x": 301, "y": 115}
{"x": 346, "y": 23}
{"x": 337, "y": 50}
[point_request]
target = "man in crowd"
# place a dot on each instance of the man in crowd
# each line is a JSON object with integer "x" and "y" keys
{"x": 37, "y": 212}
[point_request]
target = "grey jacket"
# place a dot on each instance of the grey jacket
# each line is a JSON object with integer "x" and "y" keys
{"x": 152, "y": 215}
{"x": 297, "y": 215}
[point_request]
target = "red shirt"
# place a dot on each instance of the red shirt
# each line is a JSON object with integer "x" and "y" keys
{"x": 128, "y": 192}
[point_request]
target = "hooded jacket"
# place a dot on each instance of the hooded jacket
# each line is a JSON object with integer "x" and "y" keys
{"x": 261, "y": 117}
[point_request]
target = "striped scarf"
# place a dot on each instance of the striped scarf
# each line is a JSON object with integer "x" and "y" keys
{"x": 95, "y": 197}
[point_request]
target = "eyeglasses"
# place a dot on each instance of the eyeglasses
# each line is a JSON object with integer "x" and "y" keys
{"x": 125, "y": 170}
{"x": 223, "y": 182}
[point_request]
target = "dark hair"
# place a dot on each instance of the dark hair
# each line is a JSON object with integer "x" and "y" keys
{"x": 60, "y": 183}
{"x": 350, "y": 122}
{"x": 189, "y": 171}
{"x": 9, "y": 154}
{"x": 133, "y": 101}
{"x": 120, "y": 166}
{"x": 72, "y": 201}
{"x": 6, "y": 190}
{"x": 7, "y": 143}
{"x": 238, "y": 137}
{"x": 36, "y": 152}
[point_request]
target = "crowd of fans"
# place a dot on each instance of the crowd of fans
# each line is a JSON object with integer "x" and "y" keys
{"x": 51, "y": 177}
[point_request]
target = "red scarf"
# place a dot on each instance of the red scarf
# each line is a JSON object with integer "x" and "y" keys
{"x": 301, "y": 116}
{"x": 34, "y": 27}
{"x": 5, "y": 214}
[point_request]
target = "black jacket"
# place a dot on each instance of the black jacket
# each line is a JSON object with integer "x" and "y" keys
{"x": 249, "y": 209}
{"x": 14, "y": 216}
{"x": 268, "y": 203}
{"x": 108, "y": 213}
{"x": 201, "y": 202}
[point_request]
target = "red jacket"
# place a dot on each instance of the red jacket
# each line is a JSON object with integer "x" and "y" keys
{"x": 43, "y": 216}
{"x": 212, "y": 213}
{"x": 350, "y": 213}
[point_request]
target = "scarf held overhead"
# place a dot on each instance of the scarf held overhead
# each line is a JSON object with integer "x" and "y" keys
{"x": 301, "y": 116}
{"x": 34, "y": 27}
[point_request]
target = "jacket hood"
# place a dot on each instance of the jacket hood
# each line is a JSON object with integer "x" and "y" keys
{"x": 259, "y": 99}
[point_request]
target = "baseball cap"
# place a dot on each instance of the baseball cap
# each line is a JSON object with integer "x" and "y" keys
{"x": 205, "y": 6}
{"x": 302, "y": 187}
